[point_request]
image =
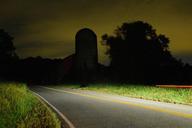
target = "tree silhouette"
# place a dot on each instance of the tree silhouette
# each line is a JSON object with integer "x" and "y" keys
{"x": 138, "y": 53}
{"x": 7, "y": 49}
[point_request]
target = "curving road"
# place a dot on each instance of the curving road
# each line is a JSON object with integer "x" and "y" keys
{"x": 87, "y": 109}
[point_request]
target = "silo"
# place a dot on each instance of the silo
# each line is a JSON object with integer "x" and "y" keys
{"x": 86, "y": 53}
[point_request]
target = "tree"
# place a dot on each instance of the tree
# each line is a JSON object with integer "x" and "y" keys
{"x": 137, "y": 52}
{"x": 7, "y": 49}
{"x": 8, "y": 57}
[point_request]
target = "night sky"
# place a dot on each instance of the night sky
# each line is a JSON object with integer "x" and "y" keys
{"x": 47, "y": 27}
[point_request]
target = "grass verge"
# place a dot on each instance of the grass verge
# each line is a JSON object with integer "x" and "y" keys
{"x": 170, "y": 95}
{"x": 21, "y": 109}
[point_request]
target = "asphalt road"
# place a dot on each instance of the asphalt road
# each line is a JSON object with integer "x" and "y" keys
{"x": 86, "y": 109}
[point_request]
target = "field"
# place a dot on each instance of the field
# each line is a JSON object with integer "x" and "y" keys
{"x": 170, "y": 95}
{"x": 20, "y": 108}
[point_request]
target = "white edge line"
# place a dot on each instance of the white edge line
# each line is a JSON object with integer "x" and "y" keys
{"x": 56, "y": 110}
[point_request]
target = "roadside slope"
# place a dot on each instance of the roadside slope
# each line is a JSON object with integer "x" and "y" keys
{"x": 19, "y": 108}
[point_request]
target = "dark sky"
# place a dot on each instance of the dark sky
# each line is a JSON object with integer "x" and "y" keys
{"x": 47, "y": 27}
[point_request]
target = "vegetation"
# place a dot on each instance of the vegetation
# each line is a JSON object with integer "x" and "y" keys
{"x": 7, "y": 49}
{"x": 139, "y": 55}
{"x": 20, "y": 108}
{"x": 170, "y": 95}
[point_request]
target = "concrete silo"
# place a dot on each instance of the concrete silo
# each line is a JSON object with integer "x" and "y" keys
{"x": 86, "y": 54}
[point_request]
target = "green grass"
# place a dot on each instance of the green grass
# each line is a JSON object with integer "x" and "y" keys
{"x": 19, "y": 108}
{"x": 170, "y": 95}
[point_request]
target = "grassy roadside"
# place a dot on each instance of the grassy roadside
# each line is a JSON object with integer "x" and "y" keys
{"x": 170, "y": 95}
{"x": 20, "y": 108}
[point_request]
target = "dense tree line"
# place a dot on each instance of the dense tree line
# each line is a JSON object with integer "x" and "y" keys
{"x": 138, "y": 55}
{"x": 31, "y": 69}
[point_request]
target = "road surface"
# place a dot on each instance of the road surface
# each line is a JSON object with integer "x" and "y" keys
{"x": 87, "y": 109}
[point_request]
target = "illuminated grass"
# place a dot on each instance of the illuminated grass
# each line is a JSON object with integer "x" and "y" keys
{"x": 170, "y": 95}
{"x": 19, "y": 108}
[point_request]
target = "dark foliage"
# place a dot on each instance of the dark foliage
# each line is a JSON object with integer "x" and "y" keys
{"x": 42, "y": 71}
{"x": 7, "y": 49}
{"x": 7, "y": 55}
{"x": 139, "y": 54}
